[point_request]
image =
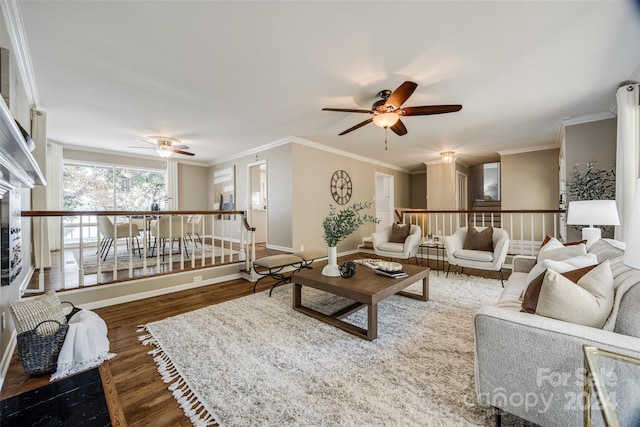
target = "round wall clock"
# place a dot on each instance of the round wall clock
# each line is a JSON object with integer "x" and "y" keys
{"x": 341, "y": 187}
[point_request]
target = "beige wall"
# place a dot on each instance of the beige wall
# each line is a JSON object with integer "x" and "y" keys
{"x": 418, "y": 190}
{"x": 193, "y": 187}
{"x": 312, "y": 171}
{"x": 590, "y": 141}
{"x": 441, "y": 186}
{"x": 279, "y": 178}
{"x": 530, "y": 180}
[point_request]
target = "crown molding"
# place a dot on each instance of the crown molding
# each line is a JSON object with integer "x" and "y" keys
{"x": 586, "y": 118}
{"x": 18, "y": 37}
{"x": 529, "y": 149}
{"x": 308, "y": 143}
{"x": 121, "y": 154}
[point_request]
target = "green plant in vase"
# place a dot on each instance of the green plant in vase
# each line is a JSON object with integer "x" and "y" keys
{"x": 340, "y": 224}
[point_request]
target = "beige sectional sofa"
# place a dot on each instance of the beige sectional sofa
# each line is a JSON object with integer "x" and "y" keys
{"x": 531, "y": 366}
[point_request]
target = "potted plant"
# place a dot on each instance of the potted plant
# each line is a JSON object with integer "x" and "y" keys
{"x": 340, "y": 224}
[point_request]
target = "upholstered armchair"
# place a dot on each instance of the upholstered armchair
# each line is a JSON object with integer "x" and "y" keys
{"x": 121, "y": 231}
{"x": 169, "y": 228}
{"x": 386, "y": 246}
{"x": 473, "y": 258}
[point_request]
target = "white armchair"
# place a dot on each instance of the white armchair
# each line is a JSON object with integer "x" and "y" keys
{"x": 482, "y": 260}
{"x": 409, "y": 249}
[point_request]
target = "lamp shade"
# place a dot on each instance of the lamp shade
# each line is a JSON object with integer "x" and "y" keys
{"x": 632, "y": 251}
{"x": 163, "y": 152}
{"x": 593, "y": 212}
{"x": 385, "y": 120}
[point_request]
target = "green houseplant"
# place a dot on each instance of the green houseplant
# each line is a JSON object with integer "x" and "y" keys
{"x": 340, "y": 224}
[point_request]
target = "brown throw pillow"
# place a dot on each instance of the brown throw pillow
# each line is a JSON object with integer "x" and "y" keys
{"x": 530, "y": 301}
{"x": 399, "y": 232}
{"x": 479, "y": 240}
{"x": 548, "y": 238}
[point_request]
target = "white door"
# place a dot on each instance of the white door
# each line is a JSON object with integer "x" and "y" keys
{"x": 258, "y": 203}
{"x": 384, "y": 200}
{"x": 461, "y": 191}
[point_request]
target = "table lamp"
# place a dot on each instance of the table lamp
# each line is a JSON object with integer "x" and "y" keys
{"x": 598, "y": 212}
{"x": 632, "y": 251}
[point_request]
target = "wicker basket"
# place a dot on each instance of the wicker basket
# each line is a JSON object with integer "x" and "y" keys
{"x": 38, "y": 353}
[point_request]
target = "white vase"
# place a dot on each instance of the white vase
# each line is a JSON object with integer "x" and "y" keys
{"x": 332, "y": 269}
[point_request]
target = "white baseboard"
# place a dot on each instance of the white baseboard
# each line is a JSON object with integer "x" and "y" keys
{"x": 6, "y": 358}
{"x": 279, "y": 248}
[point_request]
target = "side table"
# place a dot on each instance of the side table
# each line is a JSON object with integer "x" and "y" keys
{"x": 438, "y": 247}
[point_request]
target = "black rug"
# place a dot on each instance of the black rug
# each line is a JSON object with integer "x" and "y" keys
{"x": 73, "y": 401}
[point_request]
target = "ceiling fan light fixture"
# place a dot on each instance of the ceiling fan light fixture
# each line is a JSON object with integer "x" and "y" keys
{"x": 164, "y": 152}
{"x": 385, "y": 120}
{"x": 447, "y": 156}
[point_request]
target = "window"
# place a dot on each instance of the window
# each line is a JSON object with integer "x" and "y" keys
{"x": 107, "y": 187}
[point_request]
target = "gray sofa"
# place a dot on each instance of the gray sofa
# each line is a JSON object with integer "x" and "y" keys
{"x": 531, "y": 366}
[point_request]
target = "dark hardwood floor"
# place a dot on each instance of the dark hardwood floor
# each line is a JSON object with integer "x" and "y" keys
{"x": 144, "y": 398}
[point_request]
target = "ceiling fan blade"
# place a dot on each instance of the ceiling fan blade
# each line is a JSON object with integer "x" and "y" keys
{"x": 347, "y": 110}
{"x": 399, "y": 128}
{"x": 400, "y": 95}
{"x": 180, "y": 147}
{"x": 144, "y": 148}
{"x": 186, "y": 153}
{"x": 358, "y": 126}
{"x": 430, "y": 109}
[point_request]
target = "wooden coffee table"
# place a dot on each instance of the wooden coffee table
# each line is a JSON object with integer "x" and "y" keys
{"x": 366, "y": 288}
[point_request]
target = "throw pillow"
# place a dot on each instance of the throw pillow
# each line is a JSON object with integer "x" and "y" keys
{"x": 547, "y": 238}
{"x": 399, "y": 232}
{"x": 586, "y": 302}
{"x": 532, "y": 291}
{"x": 28, "y": 313}
{"x": 479, "y": 240}
{"x": 562, "y": 266}
{"x": 555, "y": 250}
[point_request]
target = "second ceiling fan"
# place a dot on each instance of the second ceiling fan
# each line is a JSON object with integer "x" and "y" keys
{"x": 387, "y": 111}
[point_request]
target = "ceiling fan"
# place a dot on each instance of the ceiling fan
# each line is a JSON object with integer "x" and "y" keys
{"x": 387, "y": 112}
{"x": 165, "y": 146}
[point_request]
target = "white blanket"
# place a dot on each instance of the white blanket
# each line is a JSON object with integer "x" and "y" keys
{"x": 85, "y": 346}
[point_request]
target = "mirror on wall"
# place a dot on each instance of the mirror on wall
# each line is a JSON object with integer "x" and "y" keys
{"x": 486, "y": 182}
{"x": 491, "y": 181}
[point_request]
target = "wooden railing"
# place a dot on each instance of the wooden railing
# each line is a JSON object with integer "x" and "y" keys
{"x": 223, "y": 229}
{"x": 526, "y": 228}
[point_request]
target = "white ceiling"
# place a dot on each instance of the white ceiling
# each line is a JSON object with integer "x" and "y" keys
{"x": 227, "y": 77}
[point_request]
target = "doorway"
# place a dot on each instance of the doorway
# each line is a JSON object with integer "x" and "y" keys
{"x": 385, "y": 202}
{"x": 462, "y": 199}
{"x": 258, "y": 200}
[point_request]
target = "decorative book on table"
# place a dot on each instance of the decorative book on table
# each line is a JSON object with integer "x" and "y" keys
{"x": 394, "y": 274}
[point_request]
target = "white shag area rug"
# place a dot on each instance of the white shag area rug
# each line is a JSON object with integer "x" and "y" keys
{"x": 254, "y": 361}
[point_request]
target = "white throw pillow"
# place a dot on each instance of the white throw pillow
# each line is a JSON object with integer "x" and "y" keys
{"x": 556, "y": 251}
{"x": 587, "y": 302}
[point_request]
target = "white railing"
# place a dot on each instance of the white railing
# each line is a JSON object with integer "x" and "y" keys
{"x": 527, "y": 228}
{"x": 223, "y": 237}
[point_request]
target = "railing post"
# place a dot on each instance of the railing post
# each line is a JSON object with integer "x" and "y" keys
{"x": 41, "y": 248}
{"x": 242, "y": 255}
{"x": 81, "y": 256}
{"x": 62, "y": 263}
